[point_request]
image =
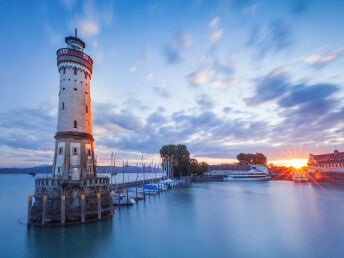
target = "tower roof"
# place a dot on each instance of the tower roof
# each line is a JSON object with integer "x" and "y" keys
{"x": 75, "y": 42}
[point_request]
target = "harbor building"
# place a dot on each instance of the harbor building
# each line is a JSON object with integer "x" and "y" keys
{"x": 74, "y": 193}
{"x": 328, "y": 164}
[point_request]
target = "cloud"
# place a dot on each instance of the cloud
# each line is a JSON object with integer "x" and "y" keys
{"x": 174, "y": 50}
{"x": 310, "y": 100}
{"x": 227, "y": 109}
{"x": 149, "y": 76}
{"x": 28, "y": 128}
{"x": 308, "y": 113}
{"x": 92, "y": 17}
{"x": 280, "y": 34}
{"x": 226, "y": 68}
{"x": 213, "y": 23}
{"x": 224, "y": 84}
{"x": 205, "y": 101}
{"x": 269, "y": 87}
{"x": 215, "y": 32}
{"x": 146, "y": 55}
{"x": 123, "y": 119}
{"x": 276, "y": 86}
{"x": 199, "y": 77}
{"x": 205, "y": 133}
{"x": 276, "y": 37}
{"x": 320, "y": 61}
{"x": 161, "y": 90}
{"x": 215, "y": 35}
{"x": 87, "y": 27}
{"x": 132, "y": 69}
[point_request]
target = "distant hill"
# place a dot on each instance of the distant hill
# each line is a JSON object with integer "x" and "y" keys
{"x": 46, "y": 169}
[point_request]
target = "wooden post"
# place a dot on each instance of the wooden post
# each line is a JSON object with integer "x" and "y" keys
{"x": 44, "y": 212}
{"x": 83, "y": 210}
{"x": 99, "y": 206}
{"x": 63, "y": 209}
{"x": 29, "y": 207}
{"x": 119, "y": 200}
{"x": 111, "y": 203}
{"x": 127, "y": 196}
{"x": 136, "y": 193}
{"x": 144, "y": 193}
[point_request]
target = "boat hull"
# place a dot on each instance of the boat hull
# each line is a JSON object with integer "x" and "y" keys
{"x": 123, "y": 202}
{"x": 230, "y": 179}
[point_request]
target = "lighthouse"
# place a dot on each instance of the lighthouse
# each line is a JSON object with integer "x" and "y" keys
{"x": 74, "y": 153}
{"x": 74, "y": 194}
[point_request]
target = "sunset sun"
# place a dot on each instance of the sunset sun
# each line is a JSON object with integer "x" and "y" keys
{"x": 297, "y": 163}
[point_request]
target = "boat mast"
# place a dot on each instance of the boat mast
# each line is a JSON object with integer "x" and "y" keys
{"x": 123, "y": 172}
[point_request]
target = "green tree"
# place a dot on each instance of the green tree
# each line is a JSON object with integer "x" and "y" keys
{"x": 252, "y": 159}
{"x": 179, "y": 155}
{"x": 183, "y": 165}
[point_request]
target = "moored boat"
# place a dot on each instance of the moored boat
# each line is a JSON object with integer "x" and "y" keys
{"x": 256, "y": 173}
{"x": 122, "y": 200}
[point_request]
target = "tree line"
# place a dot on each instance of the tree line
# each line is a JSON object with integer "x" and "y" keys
{"x": 183, "y": 165}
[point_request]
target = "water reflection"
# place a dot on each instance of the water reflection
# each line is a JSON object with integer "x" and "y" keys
{"x": 256, "y": 219}
{"x": 76, "y": 241}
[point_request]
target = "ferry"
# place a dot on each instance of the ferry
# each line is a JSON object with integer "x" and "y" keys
{"x": 256, "y": 173}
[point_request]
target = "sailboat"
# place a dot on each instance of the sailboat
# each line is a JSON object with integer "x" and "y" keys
{"x": 121, "y": 199}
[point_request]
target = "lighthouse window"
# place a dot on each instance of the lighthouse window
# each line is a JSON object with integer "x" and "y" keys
{"x": 64, "y": 70}
{"x": 85, "y": 75}
{"x": 86, "y": 109}
{"x": 86, "y": 92}
{"x": 89, "y": 152}
{"x": 74, "y": 70}
{"x": 63, "y": 88}
{"x": 62, "y": 106}
{"x": 60, "y": 150}
{"x": 75, "y": 124}
{"x": 75, "y": 89}
{"x": 58, "y": 170}
{"x": 75, "y": 151}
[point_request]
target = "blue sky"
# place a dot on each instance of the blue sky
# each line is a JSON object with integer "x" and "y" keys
{"x": 222, "y": 77}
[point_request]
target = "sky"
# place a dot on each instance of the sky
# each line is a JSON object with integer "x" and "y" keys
{"x": 221, "y": 76}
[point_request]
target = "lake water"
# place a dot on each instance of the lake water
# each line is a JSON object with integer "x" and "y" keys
{"x": 218, "y": 219}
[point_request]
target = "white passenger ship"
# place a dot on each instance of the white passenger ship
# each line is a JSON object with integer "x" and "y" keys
{"x": 256, "y": 173}
{"x": 240, "y": 172}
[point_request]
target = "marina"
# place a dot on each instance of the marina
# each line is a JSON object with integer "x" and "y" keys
{"x": 224, "y": 121}
{"x": 271, "y": 218}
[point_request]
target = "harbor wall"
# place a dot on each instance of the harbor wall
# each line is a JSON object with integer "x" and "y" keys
{"x": 78, "y": 196}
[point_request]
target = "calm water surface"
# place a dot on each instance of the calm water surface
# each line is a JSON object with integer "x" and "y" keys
{"x": 260, "y": 219}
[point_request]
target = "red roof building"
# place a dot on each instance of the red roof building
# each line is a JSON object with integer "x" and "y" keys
{"x": 326, "y": 163}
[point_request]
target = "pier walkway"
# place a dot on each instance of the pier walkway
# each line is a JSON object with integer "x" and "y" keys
{"x": 119, "y": 187}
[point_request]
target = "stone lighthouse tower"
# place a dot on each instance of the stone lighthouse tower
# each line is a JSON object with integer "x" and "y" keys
{"x": 74, "y": 153}
{"x": 74, "y": 193}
